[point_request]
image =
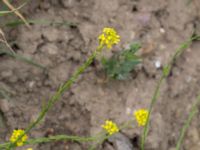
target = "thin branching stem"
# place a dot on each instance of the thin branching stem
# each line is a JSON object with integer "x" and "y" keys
{"x": 165, "y": 74}
{"x": 57, "y": 138}
{"x": 10, "y": 6}
{"x": 59, "y": 93}
{"x": 192, "y": 113}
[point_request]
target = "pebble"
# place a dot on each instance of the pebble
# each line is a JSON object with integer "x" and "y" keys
{"x": 4, "y": 105}
{"x": 31, "y": 84}
{"x": 121, "y": 142}
{"x": 67, "y": 3}
{"x": 148, "y": 48}
{"x": 162, "y": 47}
{"x": 51, "y": 34}
{"x": 162, "y": 30}
{"x": 157, "y": 64}
{"x": 128, "y": 111}
{"x": 50, "y": 48}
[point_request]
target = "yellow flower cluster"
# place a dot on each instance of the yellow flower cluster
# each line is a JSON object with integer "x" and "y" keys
{"x": 110, "y": 127}
{"x": 109, "y": 37}
{"x": 141, "y": 116}
{"x": 16, "y": 134}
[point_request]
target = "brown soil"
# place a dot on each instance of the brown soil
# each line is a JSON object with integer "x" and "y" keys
{"x": 161, "y": 26}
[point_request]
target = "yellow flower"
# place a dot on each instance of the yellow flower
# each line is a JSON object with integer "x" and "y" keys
{"x": 108, "y": 38}
{"x": 141, "y": 116}
{"x": 110, "y": 127}
{"x": 29, "y": 149}
{"x": 16, "y": 134}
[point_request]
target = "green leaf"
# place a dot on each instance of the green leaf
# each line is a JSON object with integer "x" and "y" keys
{"x": 135, "y": 47}
{"x": 121, "y": 64}
{"x": 166, "y": 70}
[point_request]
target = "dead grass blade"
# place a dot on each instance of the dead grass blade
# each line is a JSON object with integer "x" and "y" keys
{"x": 10, "y": 6}
{"x": 4, "y": 41}
{"x": 5, "y": 12}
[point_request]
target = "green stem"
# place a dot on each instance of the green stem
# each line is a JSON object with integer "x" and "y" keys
{"x": 165, "y": 73}
{"x": 153, "y": 101}
{"x": 59, "y": 93}
{"x": 56, "y": 138}
{"x": 192, "y": 113}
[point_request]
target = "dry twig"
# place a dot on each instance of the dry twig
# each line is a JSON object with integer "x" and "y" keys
{"x": 10, "y": 6}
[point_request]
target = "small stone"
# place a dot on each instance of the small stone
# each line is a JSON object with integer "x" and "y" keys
{"x": 66, "y": 147}
{"x": 4, "y": 105}
{"x": 148, "y": 48}
{"x": 162, "y": 47}
{"x": 50, "y": 48}
{"x": 66, "y": 3}
{"x": 162, "y": 30}
{"x": 133, "y": 35}
{"x": 128, "y": 111}
{"x": 31, "y": 84}
{"x": 50, "y": 34}
{"x": 121, "y": 142}
{"x": 157, "y": 64}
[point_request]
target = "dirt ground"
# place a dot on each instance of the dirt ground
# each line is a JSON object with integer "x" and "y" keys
{"x": 160, "y": 25}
